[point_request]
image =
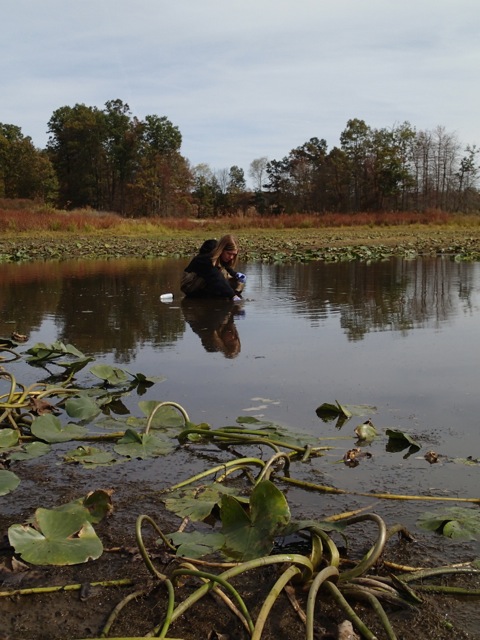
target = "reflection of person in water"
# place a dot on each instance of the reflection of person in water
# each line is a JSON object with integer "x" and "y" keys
{"x": 212, "y": 273}
{"x": 213, "y": 322}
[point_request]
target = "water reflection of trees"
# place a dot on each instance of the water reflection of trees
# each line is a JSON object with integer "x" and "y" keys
{"x": 394, "y": 295}
{"x": 100, "y": 307}
{"x": 113, "y": 306}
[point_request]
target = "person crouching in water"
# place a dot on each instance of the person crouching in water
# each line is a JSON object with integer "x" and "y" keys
{"x": 212, "y": 274}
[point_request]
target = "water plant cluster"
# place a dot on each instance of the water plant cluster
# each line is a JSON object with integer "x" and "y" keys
{"x": 235, "y": 516}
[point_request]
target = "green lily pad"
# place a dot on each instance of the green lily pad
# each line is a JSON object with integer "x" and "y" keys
{"x": 8, "y": 438}
{"x": 82, "y": 407}
{"x": 110, "y": 375}
{"x": 49, "y": 429}
{"x": 58, "y": 538}
{"x": 458, "y": 523}
{"x": 398, "y": 440}
{"x": 166, "y": 416}
{"x": 31, "y": 450}
{"x": 146, "y": 445}
{"x": 42, "y": 352}
{"x": 366, "y": 431}
{"x": 92, "y": 457}
{"x": 8, "y": 481}
{"x": 251, "y": 533}
{"x": 197, "y": 503}
{"x": 197, "y": 544}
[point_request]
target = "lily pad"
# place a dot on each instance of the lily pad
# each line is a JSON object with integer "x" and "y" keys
{"x": 251, "y": 533}
{"x": 166, "y": 416}
{"x": 146, "y": 445}
{"x": 110, "y": 375}
{"x": 366, "y": 431}
{"x": 8, "y": 481}
{"x": 58, "y": 538}
{"x": 399, "y": 440}
{"x": 197, "y": 544}
{"x": 8, "y": 438}
{"x": 92, "y": 457}
{"x": 31, "y": 450}
{"x": 82, "y": 407}
{"x": 197, "y": 503}
{"x": 49, "y": 429}
{"x": 458, "y": 523}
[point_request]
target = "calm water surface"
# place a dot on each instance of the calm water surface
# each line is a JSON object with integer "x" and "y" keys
{"x": 400, "y": 335}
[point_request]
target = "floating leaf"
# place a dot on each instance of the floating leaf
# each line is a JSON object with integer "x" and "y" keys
{"x": 50, "y": 429}
{"x": 251, "y": 534}
{"x": 398, "y": 440}
{"x": 328, "y": 411}
{"x": 31, "y": 450}
{"x": 458, "y": 523}
{"x": 197, "y": 503}
{"x": 58, "y": 538}
{"x": 42, "y": 352}
{"x": 197, "y": 544}
{"x": 166, "y": 416}
{"x": 8, "y": 482}
{"x": 8, "y": 438}
{"x": 82, "y": 407}
{"x": 110, "y": 375}
{"x": 470, "y": 461}
{"x": 366, "y": 431}
{"x": 91, "y": 457}
{"x": 146, "y": 445}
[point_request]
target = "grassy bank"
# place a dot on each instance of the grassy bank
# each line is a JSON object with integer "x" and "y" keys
{"x": 29, "y": 234}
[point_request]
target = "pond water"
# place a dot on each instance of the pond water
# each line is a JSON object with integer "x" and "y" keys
{"x": 399, "y": 335}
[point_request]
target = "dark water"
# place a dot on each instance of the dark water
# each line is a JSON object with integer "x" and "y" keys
{"x": 400, "y": 335}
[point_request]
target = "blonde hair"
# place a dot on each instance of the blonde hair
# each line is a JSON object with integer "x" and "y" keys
{"x": 226, "y": 243}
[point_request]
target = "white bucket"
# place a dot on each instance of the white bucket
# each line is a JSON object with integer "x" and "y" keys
{"x": 166, "y": 297}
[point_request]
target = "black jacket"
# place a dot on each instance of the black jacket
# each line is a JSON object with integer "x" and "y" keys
{"x": 216, "y": 285}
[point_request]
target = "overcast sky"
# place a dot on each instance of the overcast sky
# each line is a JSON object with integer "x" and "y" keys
{"x": 244, "y": 79}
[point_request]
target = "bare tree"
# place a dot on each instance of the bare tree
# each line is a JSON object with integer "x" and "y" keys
{"x": 257, "y": 172}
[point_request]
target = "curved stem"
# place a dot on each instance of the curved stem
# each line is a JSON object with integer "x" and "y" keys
{"x": 234, "y": 571}
{"x": 114, "y": 614}
{"x": 270, "y": 600}
{"x": 267, "y": 469}
{"x": 166, "y": 404}
{"x": 375, "y": 552}
{"x": 213, "y": 578}
{"x": 374, "y": 602}
{"x": 240, "y": 462}
{"x": 170, "y": 608}
{"x": 349, "y": 612}
{"x": 143, "y": 552}
{"x": 320, "y": 578}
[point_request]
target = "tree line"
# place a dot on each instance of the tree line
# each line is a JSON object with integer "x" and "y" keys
{"x": 109, "y": 160}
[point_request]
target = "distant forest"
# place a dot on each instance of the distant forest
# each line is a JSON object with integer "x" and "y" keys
{"x": 109, "y": 160}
